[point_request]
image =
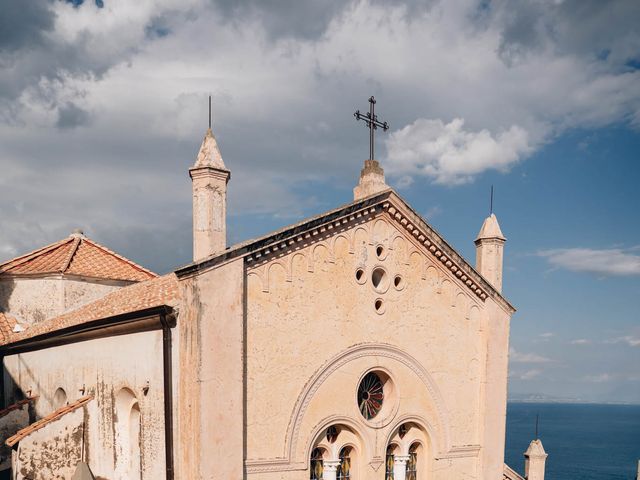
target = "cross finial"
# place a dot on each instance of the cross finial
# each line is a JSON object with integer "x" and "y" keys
{"x": 371, "y": 121}
{"x": 209, "y": 112}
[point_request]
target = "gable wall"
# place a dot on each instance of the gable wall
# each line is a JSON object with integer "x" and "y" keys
{"x": 33, "y": 300}
{"x": 305, "y": 310}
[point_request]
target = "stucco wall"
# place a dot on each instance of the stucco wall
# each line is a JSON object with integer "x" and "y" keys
{"x": 313, "y": 331}
{"x": 210, "y": 443}
{"x": 10, "y": 423}
{"x": 106, "y": 368}
{"x": 33, "y": 300}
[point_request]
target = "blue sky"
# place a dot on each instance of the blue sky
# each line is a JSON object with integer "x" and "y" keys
{"x": 103, "y": 107}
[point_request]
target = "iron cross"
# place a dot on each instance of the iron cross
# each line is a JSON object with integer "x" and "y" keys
{"x": 371, "y": 121}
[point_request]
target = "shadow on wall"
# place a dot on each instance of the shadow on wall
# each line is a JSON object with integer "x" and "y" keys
{"x": 6, "y": 289}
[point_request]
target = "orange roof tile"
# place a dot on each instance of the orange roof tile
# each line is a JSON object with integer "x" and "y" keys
{"x": 11, "y": 441}
{"x": 77, "y": 255}
{"x": 17, "y": 405}
{"x": 7, "y": 324}
{"x": 139, "y": 296}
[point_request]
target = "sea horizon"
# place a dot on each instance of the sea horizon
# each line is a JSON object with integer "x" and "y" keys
{"x": 584, "y": 441}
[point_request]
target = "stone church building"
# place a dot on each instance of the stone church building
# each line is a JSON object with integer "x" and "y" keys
{"x": 356, "y": 345}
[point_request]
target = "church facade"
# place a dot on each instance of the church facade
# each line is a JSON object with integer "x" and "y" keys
{"x": 357, "y": 345}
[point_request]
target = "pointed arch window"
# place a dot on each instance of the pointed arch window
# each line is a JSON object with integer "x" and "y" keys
{"x": 344, "y": 471}
{"x": 412, "y": 464}
{"x": 388, "y": 467}
{"x": 316, "y": 467}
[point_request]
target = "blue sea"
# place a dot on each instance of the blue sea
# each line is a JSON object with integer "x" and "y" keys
{"x": 584, "y": 442}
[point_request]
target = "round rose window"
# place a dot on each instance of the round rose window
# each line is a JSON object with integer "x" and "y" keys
{"x": 370, "y": 395}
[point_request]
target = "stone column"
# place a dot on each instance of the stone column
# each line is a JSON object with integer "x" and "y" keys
{"x": 400, "y": 467}
{"x": 534, "y": 461}
{"x": 330, "y": 469}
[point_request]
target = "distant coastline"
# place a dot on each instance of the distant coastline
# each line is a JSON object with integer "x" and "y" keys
{"x": 533, "y": 398}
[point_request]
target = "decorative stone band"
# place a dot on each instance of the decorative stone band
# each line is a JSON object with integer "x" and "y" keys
{"x": 285, "y": 246}
{"x": 435, "y": 250}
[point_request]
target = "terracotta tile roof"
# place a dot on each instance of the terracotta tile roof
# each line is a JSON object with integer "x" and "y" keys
{"x": 17, "y": 405}
{"x": 11, "y": 441}
{"x": 77, "y": 255}
{"x": 139, "y": 296}
{"x": 7, "y": 324}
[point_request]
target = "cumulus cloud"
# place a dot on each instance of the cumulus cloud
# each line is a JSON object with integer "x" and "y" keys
{"x": 450, "y": 154}
{"x": 607, "y": 262}
{"x": 117, "y": 96}
{"x": 520, "y": 357}
{"x": 580, "y": 341}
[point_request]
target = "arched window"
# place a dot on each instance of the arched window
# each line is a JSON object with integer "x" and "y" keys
{"x": 128, "y": 438}
{"x": 316, "y": 466}
{"x": 344, "y": 471}
{"x": 412, "y": 464}
{"x": 59, "y": 398}
{"x": 388, "y": 469}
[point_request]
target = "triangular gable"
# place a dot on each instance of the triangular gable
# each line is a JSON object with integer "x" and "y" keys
{"x": 388, "y": 202}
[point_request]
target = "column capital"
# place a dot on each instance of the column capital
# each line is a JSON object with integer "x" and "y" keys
{"x": 401, "y": 459}
{"x": 330, "y": 465}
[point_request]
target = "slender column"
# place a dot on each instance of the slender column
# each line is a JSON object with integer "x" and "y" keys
{"x": 400, "y": 467}
{"x": 330, "y": 469}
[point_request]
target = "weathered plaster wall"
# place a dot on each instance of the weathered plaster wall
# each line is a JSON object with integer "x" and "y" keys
{"x": 211, "y": 435}
{"x": 53, "y": 452}
{"x": 313, "y": 331}
{"x": 33, "y": 300}
{"x": 9, "y": 425}
{"x": 104, "y": 367}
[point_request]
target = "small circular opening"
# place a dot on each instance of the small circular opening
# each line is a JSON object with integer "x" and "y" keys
{"x": 379, "y": 251}
{"x": 379, "y": 279}
{"x": 359, "y": 274}
{"x": 398, "y": 282}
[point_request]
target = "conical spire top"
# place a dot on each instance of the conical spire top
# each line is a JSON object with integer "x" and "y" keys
{"x": 490, "y": 229}
{"x": 209, "y": 154}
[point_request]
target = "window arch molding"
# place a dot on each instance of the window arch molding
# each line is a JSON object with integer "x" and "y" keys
{"x": 297, "y": 441}
{"x": 359, "y": 442}
{"x": 422, "y": 434}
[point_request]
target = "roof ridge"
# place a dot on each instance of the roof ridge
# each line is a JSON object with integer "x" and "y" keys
{"x": 120, "y": 257}
{"x": 11, "y": 441}
{"x": 74, "y": 249}
{"x": 19, "y": 260}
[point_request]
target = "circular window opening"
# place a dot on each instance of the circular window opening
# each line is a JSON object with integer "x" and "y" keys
{"x": 360, "y": 276}
{"x": 379, "y": 306}
{"x": 370, "y": 395}
{"x": 380, "y": 252}
{"x": 398, "y": 282}
{"x": 380, "y": 279}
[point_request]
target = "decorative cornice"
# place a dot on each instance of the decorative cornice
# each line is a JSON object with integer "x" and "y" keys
{"x": 296, "y": 236}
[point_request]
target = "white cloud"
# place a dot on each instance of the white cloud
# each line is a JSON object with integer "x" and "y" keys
{"x": 450, "y": 154}
{"x": 462, "y": 89}
{"x": 608, "y": 262}
{"x": 547, "y": 335}
{"x": 519, "y": 357}
{"x": 529, "y": 374}
{"x": 580, "y": 341}
{"x": 600, "y": 378}
{"x": 628, "y": 339}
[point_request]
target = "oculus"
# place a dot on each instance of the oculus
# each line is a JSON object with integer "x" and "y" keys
{"x": 370, "y": 395}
